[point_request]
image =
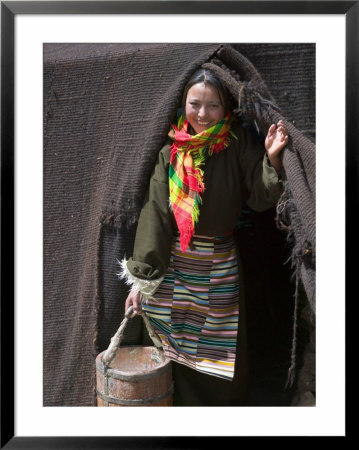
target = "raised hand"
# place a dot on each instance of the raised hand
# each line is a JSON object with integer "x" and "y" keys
{"x": 275, "y": 141}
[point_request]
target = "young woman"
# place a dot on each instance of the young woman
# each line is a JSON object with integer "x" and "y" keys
{"x": 185, "y": 272}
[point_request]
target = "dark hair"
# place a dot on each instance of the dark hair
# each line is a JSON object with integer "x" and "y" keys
{"x": 206, "y": 76}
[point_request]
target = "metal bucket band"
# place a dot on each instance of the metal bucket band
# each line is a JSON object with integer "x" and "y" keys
{"x": 135, "y": 402}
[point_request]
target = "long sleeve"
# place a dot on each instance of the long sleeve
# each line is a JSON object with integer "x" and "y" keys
{"x": 151, "y": 255}
{"x": 261, "y": 183}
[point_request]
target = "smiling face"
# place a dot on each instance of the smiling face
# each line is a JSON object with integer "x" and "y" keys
{"x": 203, "y": 107}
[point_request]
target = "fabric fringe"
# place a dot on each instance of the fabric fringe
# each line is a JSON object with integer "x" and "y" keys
{"x": 186, "y": 237}
{"x": 146, "y": 287}
{"x": 299, "y": 238}
{"x": 302, "y": 259}
{"x": 292, "y": 368}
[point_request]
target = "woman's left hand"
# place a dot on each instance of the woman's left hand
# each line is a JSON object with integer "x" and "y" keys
{"x": 276, "y": 140}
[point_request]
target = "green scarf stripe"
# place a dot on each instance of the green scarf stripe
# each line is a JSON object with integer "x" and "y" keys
{"x": 216, "y": 129}
{"x": 174, "y": 178}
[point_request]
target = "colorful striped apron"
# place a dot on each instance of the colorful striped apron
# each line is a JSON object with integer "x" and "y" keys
{"x": 195, "y": 309}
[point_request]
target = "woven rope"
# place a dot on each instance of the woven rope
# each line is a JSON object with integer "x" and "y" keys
{"x": 118, "y": 336}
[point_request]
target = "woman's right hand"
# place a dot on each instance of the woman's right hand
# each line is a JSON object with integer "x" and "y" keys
{"x": 133, "y": 299}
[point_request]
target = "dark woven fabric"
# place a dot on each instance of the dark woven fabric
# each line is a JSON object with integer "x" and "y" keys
{"x": 107, "y": 111}
{"x": 296, "y": 210}
{"x": 293, "y": 85}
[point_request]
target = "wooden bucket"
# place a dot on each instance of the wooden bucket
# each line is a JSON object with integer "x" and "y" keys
{"x": 137, "y": 376}
{"x": 133, "y": 375}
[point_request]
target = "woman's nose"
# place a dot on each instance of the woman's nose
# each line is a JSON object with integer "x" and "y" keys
{"x": 202, "y": 111}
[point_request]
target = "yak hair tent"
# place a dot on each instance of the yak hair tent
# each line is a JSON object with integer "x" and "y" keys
{"x": 107, "y": 111}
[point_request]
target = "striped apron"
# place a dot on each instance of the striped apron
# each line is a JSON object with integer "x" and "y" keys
{"x": 195, "y": 309}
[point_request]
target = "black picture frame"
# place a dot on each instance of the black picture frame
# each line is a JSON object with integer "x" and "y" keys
{"x": 9, "y": 9}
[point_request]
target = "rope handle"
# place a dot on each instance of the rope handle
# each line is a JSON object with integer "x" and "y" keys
{"x": 117, "y": 337}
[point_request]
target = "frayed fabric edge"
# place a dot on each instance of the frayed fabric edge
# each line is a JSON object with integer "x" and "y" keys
{"x": 146, "y": 287}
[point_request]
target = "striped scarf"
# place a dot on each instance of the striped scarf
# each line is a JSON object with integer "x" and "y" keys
{"x": 186, "y": 184}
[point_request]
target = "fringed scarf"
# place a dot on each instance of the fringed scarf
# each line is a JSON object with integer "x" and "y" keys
{"x": 186, "y": 184}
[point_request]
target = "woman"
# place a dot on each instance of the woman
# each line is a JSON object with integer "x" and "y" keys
{"x": 185, "y": 272}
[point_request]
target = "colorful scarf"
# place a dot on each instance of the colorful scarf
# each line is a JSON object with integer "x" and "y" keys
{"x": 186, "y": 184}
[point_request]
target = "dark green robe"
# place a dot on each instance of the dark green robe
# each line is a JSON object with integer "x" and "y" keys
{"x": 239, "y": 174}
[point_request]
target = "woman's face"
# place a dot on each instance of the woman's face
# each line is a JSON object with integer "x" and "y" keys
{"x": 203, "y": 107}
